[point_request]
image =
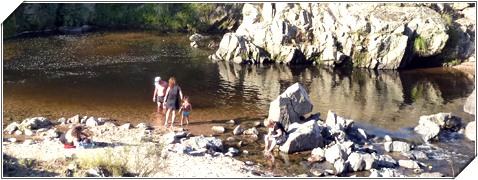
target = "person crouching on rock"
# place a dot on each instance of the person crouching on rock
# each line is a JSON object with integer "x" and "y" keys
{"x": 276, "y": 135}
{"x": 73, "y": 137}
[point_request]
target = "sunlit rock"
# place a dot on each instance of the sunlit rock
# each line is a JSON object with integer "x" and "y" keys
{"x": 290, "y": 105}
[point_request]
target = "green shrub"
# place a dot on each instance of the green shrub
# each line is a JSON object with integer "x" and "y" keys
{"x": 103, "y": 160}
{"x": 359, "y": 58}
{"x": 141, "y": 160}
{"x": 452, "y": 62}
{"x": 420, "y": 45}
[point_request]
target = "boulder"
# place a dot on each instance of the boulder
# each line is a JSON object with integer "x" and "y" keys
{"x": 251, "y": 131}
{"x": 218, "y": 129}
{"x": 11, "y": 128}
{"x": 430, "y": 126}
{"x": 317, "y": 155}
{"x": 470, "y": 104}
{"x": 355, "y": 162}
{"x": 238, "y": 130}
{"x": 290, "y": 105}
{"x": 410, "y": 164}
{"x": 335, "y": 153}
{"x": 35, "y": 123}
{"x": 200, "y": 142}
{"x": 339, "y": 166}
{"x": 414, "y": 155}
{"x": 91, "y": 122}
{"x": 170, "y": 138}
{"x": 74, "y": 119}
{"x": 397, "y": 146}
{"x": 470, "y": 130}
{"x": 386, "y": 161}
{"x": 369, "y": 161}
{"x": 303, "y": 137}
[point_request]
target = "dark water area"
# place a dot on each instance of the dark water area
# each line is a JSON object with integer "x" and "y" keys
{"x": 111, "y": 75}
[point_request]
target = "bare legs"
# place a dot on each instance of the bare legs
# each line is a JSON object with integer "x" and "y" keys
{"x": 270, "y": 143}
{"x": 172, "y": 117}
{"x": 159, "y": 107}
{"x": 184, "y": 117}
{"x": 167, "y": 117}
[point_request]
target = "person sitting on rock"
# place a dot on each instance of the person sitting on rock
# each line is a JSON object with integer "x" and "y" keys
{"x": 75, "y": 138}
{"x": 276, "y": 135}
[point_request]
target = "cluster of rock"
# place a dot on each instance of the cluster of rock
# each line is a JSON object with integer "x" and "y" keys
{"x": 32, "y": 126}
{"x": 371, "y": 35}
{"x": 341, "y": 147}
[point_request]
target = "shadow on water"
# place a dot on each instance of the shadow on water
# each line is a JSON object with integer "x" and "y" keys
{"x": 111, "y": 75}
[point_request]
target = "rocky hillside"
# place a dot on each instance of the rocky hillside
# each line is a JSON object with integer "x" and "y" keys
{"x": 370, "y": 35}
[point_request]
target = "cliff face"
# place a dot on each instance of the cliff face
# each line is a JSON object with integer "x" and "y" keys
{"x": 370, "y": 35}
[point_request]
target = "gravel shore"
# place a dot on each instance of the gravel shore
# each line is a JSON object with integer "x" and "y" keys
{"x": 168, "y": 164}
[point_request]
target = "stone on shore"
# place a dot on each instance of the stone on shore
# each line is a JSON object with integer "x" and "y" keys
{"x": 218, "y": 129}
{"x": 11, "y": 128}
{"x": 397, "y": 146}
{"x": 238, "y": 130}
{"x": 200, "y": 142}
{"x": 410, "y": 164}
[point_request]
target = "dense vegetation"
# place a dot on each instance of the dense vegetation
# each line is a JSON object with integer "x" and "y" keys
{"x": 165, "y": 16}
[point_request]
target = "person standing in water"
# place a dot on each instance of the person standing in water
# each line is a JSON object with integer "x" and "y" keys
{"x": 172, "y": 97}
{"x": 186, "y": 107}
{"x": 159, "y": 92}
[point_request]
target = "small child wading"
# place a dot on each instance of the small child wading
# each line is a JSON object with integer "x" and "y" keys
{"x": 186, "y": 109}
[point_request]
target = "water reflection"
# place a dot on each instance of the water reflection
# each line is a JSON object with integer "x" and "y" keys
{"x": 111, "y": 75}
{"x": 387, "y": 99}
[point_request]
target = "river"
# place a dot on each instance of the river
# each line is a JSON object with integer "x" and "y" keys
{"x": 110, "y": 74}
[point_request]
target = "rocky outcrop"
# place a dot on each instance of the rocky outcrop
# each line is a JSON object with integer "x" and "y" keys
{"x": 290, "y": 105}
{"x": 371, "y": 35}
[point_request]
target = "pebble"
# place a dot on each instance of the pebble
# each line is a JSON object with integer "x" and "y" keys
{"x": 249, "y": 163}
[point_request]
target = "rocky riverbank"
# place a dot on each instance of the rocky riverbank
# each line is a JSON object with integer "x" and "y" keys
{"x": 337, "y": 147}
{"x": 139, "y": 149}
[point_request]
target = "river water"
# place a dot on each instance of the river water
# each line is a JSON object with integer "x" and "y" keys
{"x": 110, "y": 74}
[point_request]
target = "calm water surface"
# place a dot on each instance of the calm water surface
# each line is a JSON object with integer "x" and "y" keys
{"x": 111, "y": 75}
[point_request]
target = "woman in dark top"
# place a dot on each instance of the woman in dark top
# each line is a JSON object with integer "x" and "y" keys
{"x": 276, "y": 135}
{"x": 173, "y": 95}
